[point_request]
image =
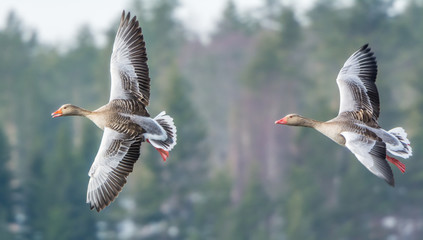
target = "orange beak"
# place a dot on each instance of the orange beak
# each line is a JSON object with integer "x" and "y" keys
{"x": 57, "y": 113}
{"x": 281, "y": 121}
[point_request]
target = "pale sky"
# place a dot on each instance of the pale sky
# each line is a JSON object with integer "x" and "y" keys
{"x": 57, "y": 21}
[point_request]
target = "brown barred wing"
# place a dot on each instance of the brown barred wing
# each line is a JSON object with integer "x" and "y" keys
{"x": 114, "y": 161}
{"x": 128, "y": 63}
{"x": 357, "y": 84}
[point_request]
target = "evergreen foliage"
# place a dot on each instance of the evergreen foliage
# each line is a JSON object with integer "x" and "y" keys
{"x": 6, "y": 192}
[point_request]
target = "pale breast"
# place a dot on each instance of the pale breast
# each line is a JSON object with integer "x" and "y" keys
{"x": 333, "y": 131}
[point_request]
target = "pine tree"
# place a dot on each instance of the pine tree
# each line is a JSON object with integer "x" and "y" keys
{"x": 213, "y": 214}
{"x": 57, "y": 190}
{"x": 231, "y": 21}
{"x": 6, "y": 193}
{"x": 253, "y": 212}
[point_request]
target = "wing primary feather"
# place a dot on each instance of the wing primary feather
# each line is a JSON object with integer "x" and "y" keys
{"x": 129, "y": 56}
{"x": 108, "y": 179}
{"x": 356, "y": 82}
{"x": 379, "y": 157}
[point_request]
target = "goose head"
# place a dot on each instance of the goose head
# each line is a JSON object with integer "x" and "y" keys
{"x": 292, "y": 120}
{"x": 67, "y": 110}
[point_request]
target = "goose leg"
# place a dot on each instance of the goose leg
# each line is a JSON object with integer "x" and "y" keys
{"x": 163, "y": 153}
{"x": 396, "y": 162}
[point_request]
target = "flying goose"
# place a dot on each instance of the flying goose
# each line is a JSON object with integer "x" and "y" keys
{"x": 124, "y": 119}
{"x": 356, "y": 125}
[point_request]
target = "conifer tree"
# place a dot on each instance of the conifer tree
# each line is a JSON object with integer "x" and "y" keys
{"x": 6, "y": 193}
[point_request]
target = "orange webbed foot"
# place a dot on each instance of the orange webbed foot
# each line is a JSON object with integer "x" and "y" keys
{"x": 396, "y": 162}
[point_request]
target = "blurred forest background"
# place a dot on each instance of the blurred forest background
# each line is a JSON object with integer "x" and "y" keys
{"x": 234, "y": 174}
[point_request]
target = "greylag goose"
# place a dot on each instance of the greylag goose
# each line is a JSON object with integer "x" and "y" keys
{"x": 124, "y": 119}
{"x": 356, "y": 125}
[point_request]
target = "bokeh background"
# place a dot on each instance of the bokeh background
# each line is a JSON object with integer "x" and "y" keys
{"x": 234, "y": 174}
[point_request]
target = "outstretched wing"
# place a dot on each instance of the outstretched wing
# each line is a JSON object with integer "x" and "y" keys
{"x": 128, "y": 64}
{"x": 357, "y": 88}
{"x": 371, "y": 153}
{"x": 114, "y": 161}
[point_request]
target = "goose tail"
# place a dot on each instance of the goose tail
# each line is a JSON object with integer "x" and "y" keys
{"x": 166, "y": 122}
{"x": 405, "y": 151}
